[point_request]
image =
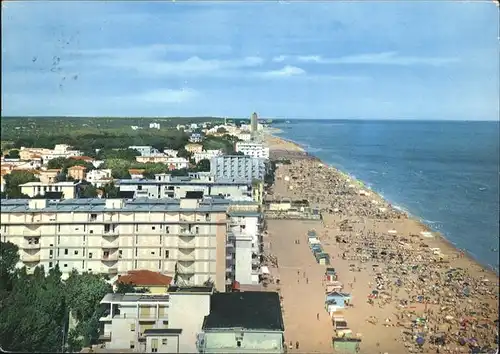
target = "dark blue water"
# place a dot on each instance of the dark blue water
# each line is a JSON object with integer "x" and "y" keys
{"x": 445, "y": 173}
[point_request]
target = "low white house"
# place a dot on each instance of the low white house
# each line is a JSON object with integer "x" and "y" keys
{"x": 99, "y": 178}
{"x": 252, "y": 149}
{"x": 206, "y": 155}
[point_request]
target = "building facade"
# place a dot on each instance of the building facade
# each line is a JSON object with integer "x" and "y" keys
{"x": 239, "y": 167}
{"x": 70, "y": 190}
{"x": 186, "y": 237}
{"x": 166, "y": 186}
{"x": 243, "y": 322}
{"x": 252, "y": 149}
{"x": 149, "y": 323}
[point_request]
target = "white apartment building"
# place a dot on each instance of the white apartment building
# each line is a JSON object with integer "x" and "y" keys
{"x": 145, "y": 150}
{"x": 170, "y": 152}
{"x": 177, "y": 163}
{"x": 99, "y": 178}
{"x": 167, "y": 186}
{"x": 206, "y": 155}
{"x": 69, "y": 190}
{"x": 237, "y": 167}
{"x": 112, "y": 236}
{"x": 149, "y": 323}
{"x": 60, "y": 150}
{"x": 252, "y": 149}
{"x": 154, "y": 125}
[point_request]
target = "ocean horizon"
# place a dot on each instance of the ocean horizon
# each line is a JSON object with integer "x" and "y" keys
{"x": 445, "y": 173}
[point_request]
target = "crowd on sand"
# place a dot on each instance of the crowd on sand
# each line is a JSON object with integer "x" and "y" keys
{"x": 441, "y": 300}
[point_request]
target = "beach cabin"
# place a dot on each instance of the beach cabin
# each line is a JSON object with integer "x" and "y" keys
{"x": 346, "y": 345}
{"x": 333, "y": 286}
{"x": 313, "y": 241}
{"x": 330, "y": 275}
{"x": 322, "y": 258}
{"x": 341, "y": 300}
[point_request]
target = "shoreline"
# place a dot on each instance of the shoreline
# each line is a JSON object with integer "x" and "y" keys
{"x": 437, "y": 235}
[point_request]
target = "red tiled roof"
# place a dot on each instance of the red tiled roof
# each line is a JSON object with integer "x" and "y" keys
{"x": 136, "y": 171}
{"x": 145, "y": 278}
{"x": 82, "y": 158}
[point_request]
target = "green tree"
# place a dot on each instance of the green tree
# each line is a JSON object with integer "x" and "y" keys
{"x": 203, "y": 165}
{"x": 89, "y": 191}
{"x": 110, "y": 190}
{"x": 13, "y": 154}
{"x": 221, "y": 130}
{"x": 124, "y": 288}
{"x": 9, "y": 257}
{"x": 14, "y": 179}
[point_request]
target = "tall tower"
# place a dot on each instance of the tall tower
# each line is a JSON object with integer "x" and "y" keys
{"x": 253, "y": 124}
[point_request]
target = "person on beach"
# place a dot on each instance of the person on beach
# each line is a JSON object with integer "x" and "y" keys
{"x": 297, "y": 345}
{"x": 317, "y": 316}
{"x": 307, "y": 280}
{"x": 291, "y": 345}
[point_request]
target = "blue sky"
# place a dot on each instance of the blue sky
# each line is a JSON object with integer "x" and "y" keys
{"x": 394, "y": 60}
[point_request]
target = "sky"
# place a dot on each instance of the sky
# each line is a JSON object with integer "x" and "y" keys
{"x": 309, "y": 60}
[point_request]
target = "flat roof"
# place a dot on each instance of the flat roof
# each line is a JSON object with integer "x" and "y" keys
{"x": 257, "y": 310}
{"x": 58, "y": 184}
{"x": 182, "y": 181}
{"x": 98, "y": 205}
{"x": 134, "y": 297}
{"x": 162, "y": 331}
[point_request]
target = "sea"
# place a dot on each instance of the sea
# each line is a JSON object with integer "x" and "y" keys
{"x": 446, "y": 173}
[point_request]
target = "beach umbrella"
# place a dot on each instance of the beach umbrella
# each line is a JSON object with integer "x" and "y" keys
{"x": 420, "y": 341}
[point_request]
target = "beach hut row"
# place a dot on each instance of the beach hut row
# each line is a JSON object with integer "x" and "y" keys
{"x": 315, "y": 245}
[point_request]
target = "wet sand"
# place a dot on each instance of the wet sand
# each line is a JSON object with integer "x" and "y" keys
{"x": 414, "y": 281}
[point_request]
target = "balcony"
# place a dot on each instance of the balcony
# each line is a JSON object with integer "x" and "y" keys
{"x": 181, "y": 244}
{"x": 30, "y": 258}
{"x": 186, "y": 232}
{"x": 185, "y": 218}
{"x": 185, "y": 270}
{"x": 30, "y": 246}
{"x": 186, "y": 257}
{"x": 111, "y": 244}
{"x": 111, "y": 257}
{"x": 33, "y": 233}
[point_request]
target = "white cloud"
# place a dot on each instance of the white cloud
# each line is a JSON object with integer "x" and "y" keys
{"x": 383, "y": 58}
{"x": 285, "y": 72}
{"x": 167, "y": 96}
{"x": 279, "y": 59}
{"x": 151, "y": 61}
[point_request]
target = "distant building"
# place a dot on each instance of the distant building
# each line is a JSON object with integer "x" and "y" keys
{"x": 154, "y": 125}
{"x": 206, "y": 155}
{"x": 252, "y": 149}
{"x": 98, "y": 178}
{"x": 170, "y": 152}
{"x": 145, "y": 150}
{"x": 228, "y": 167}
{"x": 167, "y": 186}
{"x": 154, "y": 282}
{"x": 136, "y": 173}
{"x": 243, "y": 322}
{"x": 77, "y": 172}
{"x": 254, "y": 121}
{"x": 195, "y": 138}
{"x": 193, "y": 148}
{"x": 66, "y": 190}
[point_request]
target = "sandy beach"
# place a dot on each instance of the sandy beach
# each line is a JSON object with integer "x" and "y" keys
{"x": 420, "y": 286}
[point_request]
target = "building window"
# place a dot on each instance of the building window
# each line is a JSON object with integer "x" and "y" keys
{"x": 132, "y": 327}
{"x": 65, "y": 265}
{"x": 167, "y": 253}
{"x": 93, "y": 217}
{"x": 132, "y": 345}
{"x": 50, "y": 264}
{"x": 58, "y": 228}
{"x": 136, "y": 227}
{"x": 76, "y": 252}
{"x": 153, "y": 227}
{"x": 58, "y": 239}
{"x": 164, "y": 341}
{"x": 51, "y": 253}
{"x": 91, "y": 231}
{"x": 197, "y": 230}
{"x": 136, "y": 252}
{"x": 66, "y": 251}
{"x": 167, "y": 230}
{"x": 90, "y": 254}
{"x": 160, "y": 239}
